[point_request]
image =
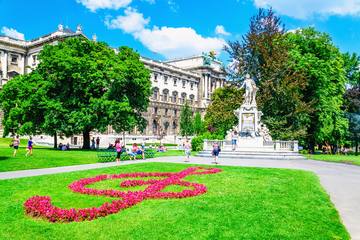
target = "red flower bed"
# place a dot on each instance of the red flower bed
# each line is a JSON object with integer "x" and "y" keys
{"x": 40, "y": 206}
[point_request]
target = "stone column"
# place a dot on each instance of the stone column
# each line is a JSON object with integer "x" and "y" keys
{"x": 4, "y": 63}
{"x": 205, "y": 86}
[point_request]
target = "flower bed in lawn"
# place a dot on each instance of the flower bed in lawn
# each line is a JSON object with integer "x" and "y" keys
{"x": 41, "y": 206}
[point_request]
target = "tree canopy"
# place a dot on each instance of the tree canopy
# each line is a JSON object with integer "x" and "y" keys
{"x": 83, "y": 86}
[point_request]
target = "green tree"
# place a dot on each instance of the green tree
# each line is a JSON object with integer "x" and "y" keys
{"x": 85, "y": 86}
{"x": 352, "y": 106}
{"x": 198, "y": 124}
{"x": 186, "y": 122}
{"x": 352, "y": 68}
{"x": 322, "y": 63}
{"x": 220, "y": 116}
{"x": 263, "y": 53}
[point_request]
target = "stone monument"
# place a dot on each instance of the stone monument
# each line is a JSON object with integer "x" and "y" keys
{"x": 252, "y": 133}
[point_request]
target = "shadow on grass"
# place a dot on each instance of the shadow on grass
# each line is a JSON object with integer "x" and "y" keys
{"x": 2, "y": 158}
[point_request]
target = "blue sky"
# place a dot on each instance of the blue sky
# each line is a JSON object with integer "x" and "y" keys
{"x": 164, "y": 29}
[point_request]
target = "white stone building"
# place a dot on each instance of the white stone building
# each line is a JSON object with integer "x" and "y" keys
{"x": 191, "y": 79}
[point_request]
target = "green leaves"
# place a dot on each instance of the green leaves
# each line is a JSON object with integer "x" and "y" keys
{"x": 79, "y": 86}
{"x": 186, "y": 122}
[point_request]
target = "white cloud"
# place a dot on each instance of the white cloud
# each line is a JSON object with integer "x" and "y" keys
{"x": 220, "y": 30}
{"x": 168, "y": 41}
{"x": 173, "y": 5}
{"x": 303, "y": 9}
{"x": 13, "y": 33}
{"x": 93, "y": 5}
{"x": 133, "y": 21}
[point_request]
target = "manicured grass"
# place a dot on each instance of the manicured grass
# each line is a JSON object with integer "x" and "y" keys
{"x": 241, "y": 203}
{"x": 351, "y": 159}
{"x": 45, "y": 157}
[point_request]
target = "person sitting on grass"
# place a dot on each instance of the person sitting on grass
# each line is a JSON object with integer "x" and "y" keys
{"x": 161, "y": 148}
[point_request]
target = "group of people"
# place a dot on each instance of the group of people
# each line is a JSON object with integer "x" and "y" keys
{"x": 64, "y": 147}
{"x": 215, "y": 152}
{"x": 132, "y": 153}
{"x": 95, "y": 143}
{"x": 15, "y": 143}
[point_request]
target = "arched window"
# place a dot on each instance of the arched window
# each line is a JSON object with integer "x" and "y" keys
{"x": 165, "y": 95}
{"x": 174, "y": 96}
{"x": 155, "y": 93}
{"x": 192, "y": 97}
{"x": 183, "y": 98}
{"x": 174, "y": 125}
{"x": 154, "y": 126}
{"x": 166, "y": 126}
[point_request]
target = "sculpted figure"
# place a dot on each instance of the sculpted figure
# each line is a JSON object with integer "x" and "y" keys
{"x": 250, "y": 91}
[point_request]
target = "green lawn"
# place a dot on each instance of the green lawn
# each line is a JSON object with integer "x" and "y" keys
{"x": 45, "y": 157}
{"x": 351, "y": 159}
{"x": 241, "y": 203}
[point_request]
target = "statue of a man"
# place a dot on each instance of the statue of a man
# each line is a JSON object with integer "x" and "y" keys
{"x": 250, "y": 91}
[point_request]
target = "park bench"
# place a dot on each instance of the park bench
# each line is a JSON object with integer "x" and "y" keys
{"x": 109, "y": 155}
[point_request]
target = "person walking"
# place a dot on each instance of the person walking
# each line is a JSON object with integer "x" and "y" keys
{"x": 187, "y": 149}
{"x": 29, "y": 149}
{"x": 92, "y": 143}
{"x": 215, "y": 152}
{"x": 234, "y": 137}
{"x": 15, "y": 144}
{"x": 118, "y": 149}
{"x": 97, "y": 143}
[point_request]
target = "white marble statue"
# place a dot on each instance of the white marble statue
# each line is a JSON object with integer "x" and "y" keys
{"x": 250, "y": 91}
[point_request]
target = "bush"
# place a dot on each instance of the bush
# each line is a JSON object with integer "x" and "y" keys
{"x": 197, "y": 143}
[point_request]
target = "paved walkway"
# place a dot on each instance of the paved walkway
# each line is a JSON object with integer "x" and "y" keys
{"x": 341, "y": 181}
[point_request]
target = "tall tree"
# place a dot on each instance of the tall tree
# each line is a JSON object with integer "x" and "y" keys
{"x": 322, "y": 64}
{"x": 220, "y": 116}
{"x": 86, "y": 87}
{"x": 352, "y": 68}
{"x": 198, "y": 124}
{"x": 263, "y": 53}
{"x": 186, "y": 122}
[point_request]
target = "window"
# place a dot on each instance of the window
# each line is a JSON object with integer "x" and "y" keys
{"x": 165, "y": 95}
{"x": 192, "y": 97}
{"x": 183, "y": 83}
{"x": 166, "y": 111}
{"x": 175, "y": 80}
{"x": 165, "y": 79}
{"x": 155, "y": 93}
{"x": 155, "y": 110}
{"x": 174, "y": 96}
{"x": 175, "y": 112}
{"x": 183, "y": 97}
{"x": 174, "y": 125}
{"x": 155, "y": 77}
{"x": 14, "y": 59}
{"x": 191, "y": 86}
{"x": 34, "y": 59}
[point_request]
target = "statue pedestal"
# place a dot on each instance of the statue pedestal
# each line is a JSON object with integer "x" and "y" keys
{"x": 249, "y": 121}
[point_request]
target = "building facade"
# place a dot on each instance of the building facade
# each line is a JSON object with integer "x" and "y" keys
{"x": 174, "y": 82}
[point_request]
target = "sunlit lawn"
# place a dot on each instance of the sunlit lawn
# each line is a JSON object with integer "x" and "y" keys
{"x": 350, "y": 159}
{"x": 241, "y": 203}
{"x": 45, "y": 157}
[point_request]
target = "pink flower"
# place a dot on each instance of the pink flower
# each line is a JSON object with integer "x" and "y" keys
{"x": 40, "y": 206}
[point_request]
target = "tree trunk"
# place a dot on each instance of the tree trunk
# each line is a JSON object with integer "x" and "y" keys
{"x": 55, "y": 140}
{"x": 356, "y": 146}
{"x": 86, "y": 139}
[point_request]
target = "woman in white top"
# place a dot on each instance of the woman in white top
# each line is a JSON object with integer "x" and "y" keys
{"x": 187, "y": 148}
